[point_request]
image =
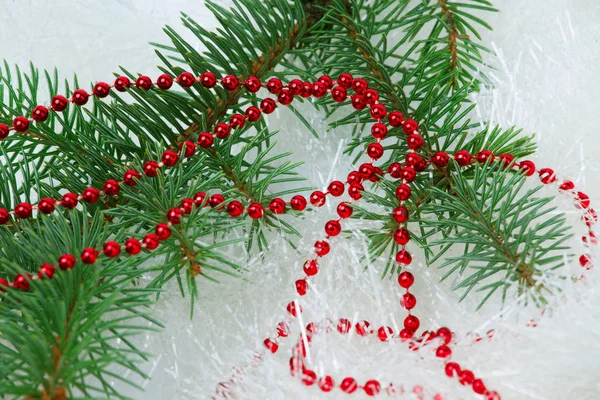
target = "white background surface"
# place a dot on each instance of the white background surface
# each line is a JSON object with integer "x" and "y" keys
{"x": 548, "y": 82}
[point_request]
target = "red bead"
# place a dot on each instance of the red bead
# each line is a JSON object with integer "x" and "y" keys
{"x": 151, "y": 168}
{"x": 354, "y": 177}
{"x": 46, "y": 271}
{"x": 252, "y": 84}
{"x": 452, "y": 369}
{"x": 395, "y": 170}
{"x": 333, "y": 228}
{"x": 371, "y": 95}
{"x": 355, "y": 191}
{"x": 90, "y": 195}
{"x": 440, "y": 159}
{"x": 208, "y": 79}
{"x": 165, "y": 81}
{"x": 130, "y": 176}
{"x": 528, "y": 167}
{"x": 408, "y": 174}
{"x": 466, "y": 377}
{"x": 21, "y": 282}
{"x": 101, "y": 90}
{"x": 274, "y": 85}
{"x": 379, "y": 130}
{"x": 215, "y": 200}
{"x": 478, "y": 386}
{"x": 443, "y": 351}
{"x": 112, "y": 249}
{"x": 4, "y": 216}
{"x": 409, "y": 301}
{"x": 309, "y": 377}
{"x": 413, "y": 160}
{"x": 326, "y": 383}
{"x": 567, "y": 185}
{"x": 345, "y": 80}
{"x": 582, "y": 200}
{"x": 336, "y": 188}
{"x": 39, "y": 114}
{"x": 122, "y": 83}
{"x": 237, "y": 121}
{"x": 406, "y": 279}
{"x": 255, "y": 211}
{"x": 80, "y": 97}
{"x": 20, "y": 124}
{"x": 400, "y": 214}
{"x": 403, "y": 257}
{"x": 170, "y": 158}
{"x": 59, "y": 103}
{"x": 277, "y": 206}
{"x": 311, "y": 267}
{"x": 253, "y": 113}
{"x": 484, "y": 155}
{"x": 205, "y": 140}
{"x": 493, "y": 395}
{"x": 403, "y": 192}
{"x": 378, "y": 111}
{"x": 23, "y": 210}
{"x": 190, "y": 149}
{"x": 326, "y": 81}
{"x": 69, "y": 200}
{"x": 230, "y": 82}
{"x": 151, "y": 241}
{"x": 384, "y": 333}
{"x": 322, "y": 248}
{"x": 298, "y": 203}
{"x": 344, "y": 210}
{"x": 402, "y": 236}
{"x": 4, "y": 129}
{"x": 89, "y": 256}
{"x": 372, "y": 387}
{"x": 395, "y": 118}
{"x": 375, "y": 151}
{"x": 271, "y": 345}
{"x": 358, "y": 101}
{"x": 268, "y": 105}
{"x": 301, "y": 286}
{"x": 291, "y": 308}
{"x": 410, "y": 126}
{"x": 366, "y": 170}
{"x": 585, "y": 261}
{"x": 339, "y": 94}
{"x": 222, "y": 130}
{"x": 547, "y": 176}
{"x": 282, "y": 329}
{"x": 445, "y": 334}
{"x": 506, "y": 159}
{"x": 143, "y": 82}
{"x": 66, "y": 261}
{"x": 133, "y": 246}
{"x": 344, "y": 326}
{"x": 414, "y": 141}
{"x": 359, "y": 85}
{"x": 362, "y": 328}
{"x": 111, "y": 187}
{"x": 235, "y": 208}
{"x": 411, "y": 322}
{"x": 185, "y": 79}
{"x": 46, "y": 205}
{"x": 348, "y": 385}
{"x": 163, "y": 231}
{"x": 295, "y": 86}
{"x": 317, "y": 198}
{"x": 199, "y": 199}
{"x": 462, "y": 157}
{"x": 285, "y": 97}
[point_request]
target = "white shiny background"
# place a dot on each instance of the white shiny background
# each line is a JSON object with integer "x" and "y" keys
{"x": 547, "y": 81}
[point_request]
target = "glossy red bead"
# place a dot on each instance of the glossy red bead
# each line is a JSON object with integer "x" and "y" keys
{"x": 484, "y": 155}
{"x": 506, "y": 159}
{"x": 69, "y": 200}
{"x": 301, "y": 286}
{"x": 164, "y": 81}
{"x": 379, "y": 130}
{"x": 317, "y": 198}
{"x": 151, "y": 168}
{"x": 372, "y": 388}
{"x": 285, "y": 97}
{"x": 277, "y": 206}
{"x": 408, "y": 174}
{"x": 567, "y": 185}
{"x": 205, "y": 140}
{"x": 46, "y": 271}
{"x": 23, "y": 210}
{"x": 151, "y": 241}
{"x": 336, "y": 188}
{"x": 130, "y": 177}
{"x": 208, "y": 80}
{"x": 371, "y": 95}
{"x": 478, "y": 386}
{"x": 90, "y": 195}
{"x": 445, "y": 334}
{"x": 375, "y": 151}
{"x": 443, "y": 351}
{"x": 89, "y": 256}
{"x": 528, "y": 167}
{"x": 295, "y": 86}
{"x": 4, "y": 130}
{"x": 162, "y": 231}
{"x": 326, "y": 81}
{"x": 252, "y": 84}
{"x": 466, "y": 377}
{"x": 237, "y": 121}
{"x": 282, "y": 329}
{"x": 199, "y": 199}
{"x": 414, "y": 141}
{"x": 307, "y": 90}
{"x": 230, "y": 82}
{"x": 122, "y": 83}
{"x": 235, "y": 208}
{"x": 255, "y": 211}
{"x": 101, "y": 90}
{"x": 359, "y": 85}
{"x": 322, "y": 248}
{"x": 311, "y": 267}
{"x": 440, "y": 159}
{"x": 112, "y": 249}
{"x": 333, "y": 228}
{"x": 268, "y": 105}
{"x": 409, "y": 301}
{"x": 349, "y": 385}
{"x": 20, "y": 124}
{"x": 452, "y": 369}
{"x": 411, "y": 322}
{"x": 66, "y": 261}
{"x": 582, "y": 200}
{"x": 362, "y": 328}
{"x": 133, "y": 246}
{"x": 4, "y": 216}
{"x": 59, "y": 103}
{"x": 111, "y": 187}
{"x": 406, "y": 279}
{"x": 253, "y": 113}
{"x": 292, "y": 310}
{"x": 215, "y": 200}
{"x": 585, "y": 261}
{"x": 271, "y": 345}
{"x": 274, "y": 85}
{"x": 189, "y": 149}
{"x": 410, "y": 126}
{"x": 169, "y": 158}
{"x": 339, "y": 94}
{"x": 366, "y": 170}
{"x": 80, "y": 97}
{"x": 298, "y": 202}
{"x": 403, "y": 257}
{"x": 343, "y": 326}
{"x": 395, "y": 170}
{"x": 358, "y": 101}
{"x": 222, "y": 130}
{"x": 308, "y": 377}
{"x": 39, "y": 114}
{"x": 378, "y": 111}
{"x": 547, "y": 176}
{"x": 143, "y": 82}
{"x": 185, "y": 79}
{"x": 46, "y": 205}
{"x": 403, "y": 192}
{"x": 395, "y": 118}
{"x": 344, "y": 210}
{"x": 21, "y": 282}
{"x": 355, "y": 191}
{"x": 462, "y": 157}
{"x": 384, "y": 333}
{"x": 345, "y": 80}
{"x": 400, "y": 214}
{"x": 401, "y": 236}
{"x": 354, "y": 177}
